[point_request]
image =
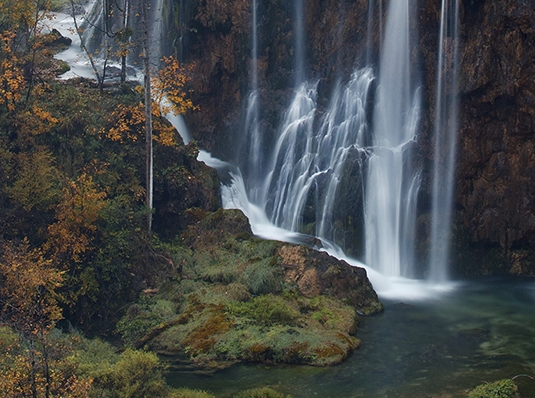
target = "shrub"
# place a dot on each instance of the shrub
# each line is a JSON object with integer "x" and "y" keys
{"x": 499, "y": 389}
{"x": 268, "y": 309}
{"x": 137, "y": 374}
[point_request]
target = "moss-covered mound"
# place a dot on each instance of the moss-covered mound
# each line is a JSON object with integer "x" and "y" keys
{"x": 238, "y": 298}
{"x": 499, "y": 389}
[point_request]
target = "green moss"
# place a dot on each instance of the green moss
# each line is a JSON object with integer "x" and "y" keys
{"x": 267, "y": 310}
{"x": 499, "y": 389}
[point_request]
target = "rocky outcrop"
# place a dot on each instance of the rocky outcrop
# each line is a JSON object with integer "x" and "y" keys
{"x": 317, "y": 273}
{"x": 238, "y": 298}
{"x": 313, "y": 273}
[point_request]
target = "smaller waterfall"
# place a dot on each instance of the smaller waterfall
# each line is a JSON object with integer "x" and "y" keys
{"x": 287, "y": 184}
{"x": 299, "y": 42}
{"x": 445, "y": 130}
{"x": 311, "y": 159}
{"x": 254, "y": 156}
{"x": 181, "y": 31}
{"x": 392, "y": 183}
{"x": 345, "y": 127}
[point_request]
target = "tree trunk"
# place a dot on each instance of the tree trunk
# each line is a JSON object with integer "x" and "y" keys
{"x": 148, "y": 115}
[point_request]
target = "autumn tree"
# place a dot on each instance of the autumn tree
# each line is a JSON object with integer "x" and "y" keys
{"x": 71, "y": 236}
{"x": 11, "y": 78}
{"x": 29, "y": 307}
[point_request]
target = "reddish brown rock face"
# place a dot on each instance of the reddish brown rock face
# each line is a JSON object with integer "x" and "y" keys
{"x": 496, "y": 164}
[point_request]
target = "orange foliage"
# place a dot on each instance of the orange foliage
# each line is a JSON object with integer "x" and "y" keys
{"x": 168, "y": 89}
{"x": 28, "y": 292}
{"x": 168, "y": 96}
{"x": 129, "y": 122}
{"x": 76, "y": 215}
{"x": 11, "y": 78}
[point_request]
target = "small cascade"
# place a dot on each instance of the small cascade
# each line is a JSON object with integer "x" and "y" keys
{"x": 309, "y": 161}
{"x": 106, "y": 19}
{"x": 392, "y": 182}
{"x": 445, "y": 132}
{"x": 286, "y": 184}
{"x": 181, "y": 31}
{"x": 299, "y": 42}
{"x": 254, "y": 156}
{"x": 344, "y": 128}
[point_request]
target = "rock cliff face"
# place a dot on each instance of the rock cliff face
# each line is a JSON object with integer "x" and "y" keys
{"x": 495, "y": 218}
{"x": 496, "y": 189}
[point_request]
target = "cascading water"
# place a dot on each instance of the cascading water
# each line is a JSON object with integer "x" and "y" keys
{"x": 307, "y": 165}
{"x": 392, "y": 184}
{"x": 299, "y": 42}
{"x": 315, "y": 147}
{"x": 254, "y": 156}
{"x": 307, "y": 159}
{"x": 445, "y": 130}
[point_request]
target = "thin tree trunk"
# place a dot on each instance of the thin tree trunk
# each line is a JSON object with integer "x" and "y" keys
{"x": 148, "y": 115}
{"x": 33, "y": 366}
{"x": 124, "y": 44}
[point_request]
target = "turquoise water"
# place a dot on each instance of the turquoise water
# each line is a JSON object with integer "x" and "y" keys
{"x": 481, "y": 332}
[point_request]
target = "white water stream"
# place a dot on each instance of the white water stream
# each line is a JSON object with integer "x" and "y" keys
{"x": 445, "y": 143}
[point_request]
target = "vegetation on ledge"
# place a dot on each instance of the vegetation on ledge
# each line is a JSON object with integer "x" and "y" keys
{"x": 238, "y": 298}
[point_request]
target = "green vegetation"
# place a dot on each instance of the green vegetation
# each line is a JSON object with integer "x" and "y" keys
{"x": 218, "y": 313}
{"x": 499, "y": 389}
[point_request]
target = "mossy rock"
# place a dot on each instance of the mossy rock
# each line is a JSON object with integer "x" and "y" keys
{"x": 499, "y": 389}
{"x": 240, "y": 298}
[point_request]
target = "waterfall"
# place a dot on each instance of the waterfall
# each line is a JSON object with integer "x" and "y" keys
{"x": 392, "y": 182}
{"x": 254, "y": 156}
{"x": 287, "y": 184}
{"x": 445, "y": 134}
{"x": 299, "y": 42}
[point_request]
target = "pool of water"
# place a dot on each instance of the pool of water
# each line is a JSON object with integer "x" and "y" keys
{"x": 480, "y": 332}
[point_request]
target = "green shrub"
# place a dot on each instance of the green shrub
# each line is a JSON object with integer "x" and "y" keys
{"x": 499, "y": 389}
{"x": 261, "y": 278}
{"x": 143, "y": 316}
{"x": 137, "y": 375}
{"x": 268, "y": 309}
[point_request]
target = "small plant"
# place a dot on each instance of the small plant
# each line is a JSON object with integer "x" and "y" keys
{"x": 268, "y": 309}
{"x": 499, "y": 389}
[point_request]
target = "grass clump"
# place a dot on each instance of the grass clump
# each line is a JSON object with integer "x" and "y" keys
{"x": 268, "y": 310}
{"x": 143, "y": 316}
{"x": 499, "y": 389}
